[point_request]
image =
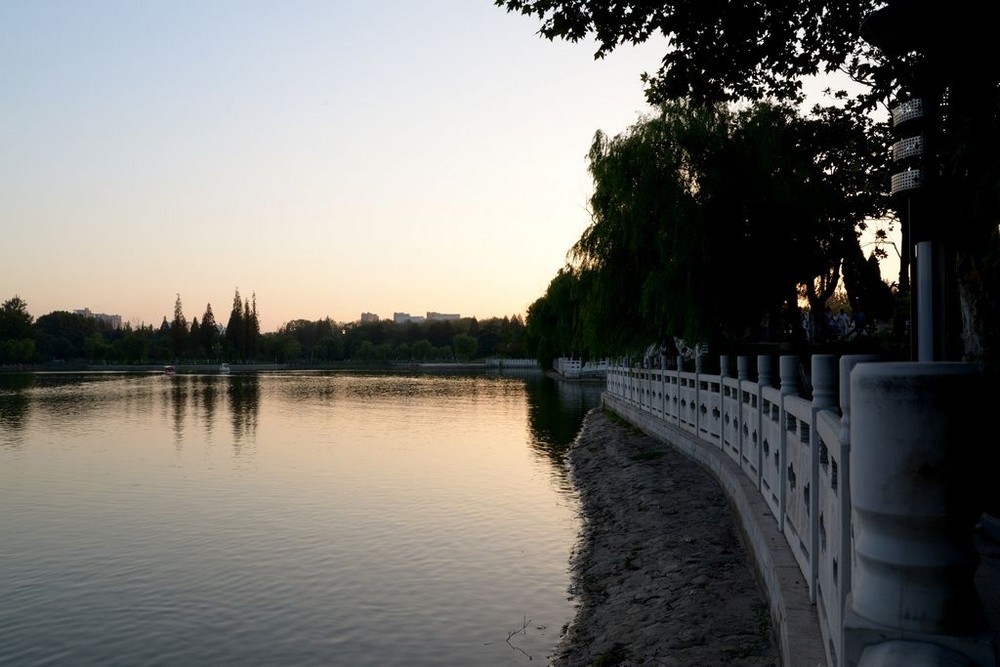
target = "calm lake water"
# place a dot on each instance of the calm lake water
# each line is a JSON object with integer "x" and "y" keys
{"x": 285, "y": 519}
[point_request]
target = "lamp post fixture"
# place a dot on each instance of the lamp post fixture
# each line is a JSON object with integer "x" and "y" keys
{"x": 909, "y": 34}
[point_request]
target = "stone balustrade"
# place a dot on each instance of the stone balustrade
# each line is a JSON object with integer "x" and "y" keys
{"x": 869, "y": 475}
{"x": 566, "y": 367}
{"x": 498, "y": 362}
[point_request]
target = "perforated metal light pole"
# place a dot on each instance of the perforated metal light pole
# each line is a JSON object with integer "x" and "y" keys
{"x": 905, "y": 32}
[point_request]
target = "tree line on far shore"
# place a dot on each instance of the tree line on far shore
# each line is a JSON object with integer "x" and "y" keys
{"x": 74, "y": 337}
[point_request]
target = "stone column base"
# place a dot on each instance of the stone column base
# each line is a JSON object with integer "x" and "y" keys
{"x": 867, "y": 644}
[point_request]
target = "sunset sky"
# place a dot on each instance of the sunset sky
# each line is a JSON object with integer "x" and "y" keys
{"x": 329, "y": 157}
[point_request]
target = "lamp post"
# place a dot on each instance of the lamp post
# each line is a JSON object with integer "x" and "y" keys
{"x": 908, "y": 33}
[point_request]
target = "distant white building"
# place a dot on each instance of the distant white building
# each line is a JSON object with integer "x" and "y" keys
{"x": 111, "y": 321}
{"x": 432, "y": 316}
{"x": 369, "y": 317}
{"x": 403, "y": 318}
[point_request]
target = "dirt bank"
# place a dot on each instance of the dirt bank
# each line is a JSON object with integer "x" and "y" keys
{"x": 660, "y": 575}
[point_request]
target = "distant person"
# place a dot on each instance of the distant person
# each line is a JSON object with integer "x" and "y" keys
{"x": 843, "y": 323}
{"x": 860, "y": 322}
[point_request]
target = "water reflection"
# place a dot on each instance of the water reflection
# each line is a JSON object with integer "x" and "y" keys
{"x": 15, "y": 382}
{"x": 13, "y": 407}
{"x": 66, "y": 400}
{"x": 243, "y": 393}
{"x": 178, "y": 407}
{"x": 206, "y": 398}
{"x": 368, "y": 527}
{"x": 555, "y": 411}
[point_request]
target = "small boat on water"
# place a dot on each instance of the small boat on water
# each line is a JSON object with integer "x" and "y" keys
{"x": 169, "y": 370}
{"x": 223, "y": 367}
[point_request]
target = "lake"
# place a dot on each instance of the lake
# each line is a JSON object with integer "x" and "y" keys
{"x": 287, "y": 518}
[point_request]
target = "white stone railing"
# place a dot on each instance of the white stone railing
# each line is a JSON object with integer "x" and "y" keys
{"x": 497, "y": 362}
{"x": 566, "y": 367}
{"x": 575, "y": 368}
{"x": 903, "y": 524}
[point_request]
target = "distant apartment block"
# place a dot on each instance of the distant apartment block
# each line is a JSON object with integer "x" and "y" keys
{"x": 111, "y": 321}
{"x": 432, "y": 316}
{"x": 369, "y": 317}
{"x": 403, "y": 318}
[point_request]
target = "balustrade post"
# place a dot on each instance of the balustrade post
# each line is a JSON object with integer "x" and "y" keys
{"x": 663, "y": 385}
{"x": 628, "y": 382}
{"x": 845, "y": 558}
{"x": 698, "y": 364}
{"x": 847, "y": 364}
{"x": 788, "y": 372}
{"x": 764, "y": 370}
{"x": 917, "y": 491}
{"x": 677, "y": 390}
{"x": 742, "y": 375}
{"x": 724, "y": 362}
{"x": 743, "y": 368}
{"x": 824, "y": 397}
{"x": 824, "y": 381}
{"x": 642, "y": 373}
{"x": 633, "y": 374}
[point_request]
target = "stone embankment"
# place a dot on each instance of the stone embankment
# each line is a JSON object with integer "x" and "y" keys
{"x": 660, "y": 574}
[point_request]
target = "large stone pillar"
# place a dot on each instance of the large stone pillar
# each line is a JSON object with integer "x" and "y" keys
{"x": 916, "y": 492}
{"x": 846, "y": 554}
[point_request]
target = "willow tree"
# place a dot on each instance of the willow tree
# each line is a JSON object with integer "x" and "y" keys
{"x": 642, "y": 197}
{"x": 552, "y": 325}
{"x": 705, "y": 223}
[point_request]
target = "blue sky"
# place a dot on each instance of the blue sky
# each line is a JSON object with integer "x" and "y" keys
{"x": 331, "y": 157}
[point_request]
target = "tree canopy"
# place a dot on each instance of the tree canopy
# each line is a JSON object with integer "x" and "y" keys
{"x": 690, "y": 203}
{"x": 717, "y": 51}
{"x": 760, "y": 51}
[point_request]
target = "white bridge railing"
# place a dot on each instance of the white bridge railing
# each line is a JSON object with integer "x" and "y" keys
{"x": 884, "y": 500}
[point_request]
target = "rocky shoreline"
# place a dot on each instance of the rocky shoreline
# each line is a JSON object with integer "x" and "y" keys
{"x": 660, "y": 574}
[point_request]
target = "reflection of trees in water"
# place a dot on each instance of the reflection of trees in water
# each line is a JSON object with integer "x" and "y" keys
{"x": 244, "y": 404}
{"x": 178, "y": 407}
{"x": 61, "y": 401}
{"x": 556, "y": 409}
{"x": 13, "y": 404}
{"x": 15, "y": 382}
{"x": 205, "y": 398}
